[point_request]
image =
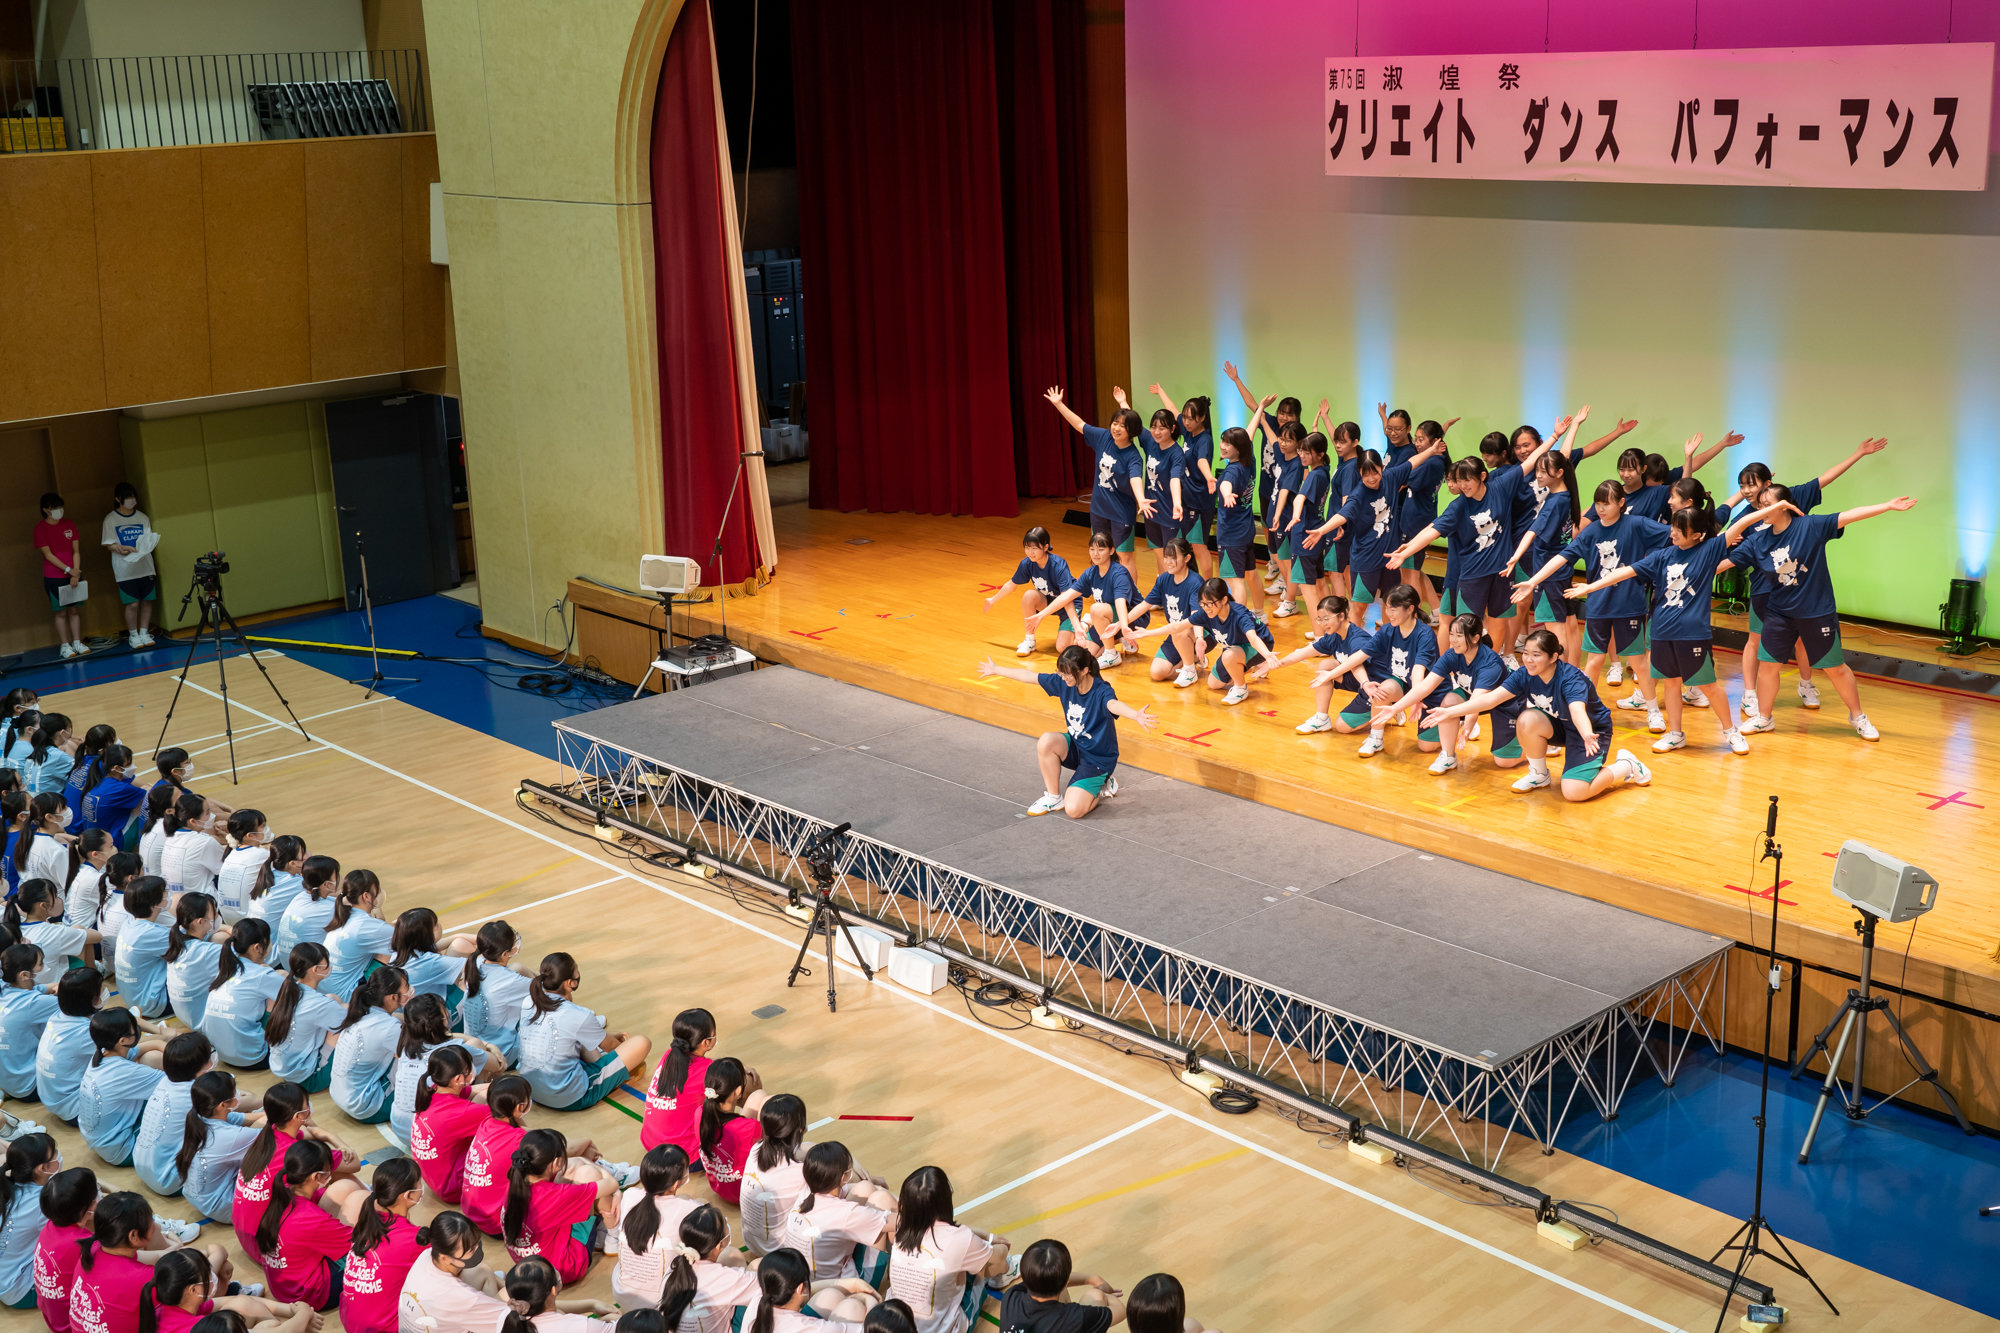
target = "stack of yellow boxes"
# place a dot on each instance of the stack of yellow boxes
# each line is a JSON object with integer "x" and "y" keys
{"x": 31, "y": 134}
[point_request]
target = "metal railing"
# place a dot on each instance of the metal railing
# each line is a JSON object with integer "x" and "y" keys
{"x": 169, "y": 101}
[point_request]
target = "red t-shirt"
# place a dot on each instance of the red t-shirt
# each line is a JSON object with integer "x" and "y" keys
{"x": 310, "y": 1242}
{"x": 374, "y": 1281}
{"x": 56, "y": 1254}
{"x": 725, "y": 1165}
{"x": 173, "y": 1319}
{"x": 677, "y": 1118}
{"x": 254, "y": 1196}
{"x": 483, "y": 1194}
{"x": 60, "y": 537}
{"x": 105, "y": 1297}
{"x": 554, "y": 1206}
{"x": 440, "y": 1136}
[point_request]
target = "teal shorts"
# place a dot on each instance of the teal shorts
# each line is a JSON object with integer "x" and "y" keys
{"x": 1450, "y": 603}
{"x": 607, "y": 1072}
{"x": 145, "y": 588}
{"x": 1585, "y": 769}
{"x": 322, "y": 1079}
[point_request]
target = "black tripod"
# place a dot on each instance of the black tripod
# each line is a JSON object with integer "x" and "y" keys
{"x": 1750, "y": 1236}
{"x": 374, "y": 680}
{"x": 207, "y": 584}
{"x": 826, "y": 918}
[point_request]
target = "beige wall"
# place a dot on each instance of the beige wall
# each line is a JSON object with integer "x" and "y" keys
{"x": 206, "y": 27}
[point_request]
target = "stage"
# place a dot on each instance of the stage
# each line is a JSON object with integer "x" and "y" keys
{"x": 893, "y": 603}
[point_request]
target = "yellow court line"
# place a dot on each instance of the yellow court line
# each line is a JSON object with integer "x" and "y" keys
{"x": 1147, "y": 1183}
{"x": 512, "y": 883}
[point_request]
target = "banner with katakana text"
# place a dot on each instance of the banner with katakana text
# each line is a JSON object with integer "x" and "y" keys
{"x": 1840, "y": 117}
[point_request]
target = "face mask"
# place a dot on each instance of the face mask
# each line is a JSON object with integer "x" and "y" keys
{"x": 64, "y": 815}
{"x": 129, "y": 772}
{"x": 127, "y": 506}
{"x": 186, "y": 771}
{"x": 55, "y": 514}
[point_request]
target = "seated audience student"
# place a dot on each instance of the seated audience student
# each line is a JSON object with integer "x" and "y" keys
{"x": 1468, "y": 666}
{"x": 239, "y": 997}
{"x": 731, "y": 1096}
{"x": 364, "y": 1053}
{"x": 774, "y": 1174}
{"x": 25, "y": 1012}
{"x": 288, "y": 1120}
{"x": 448, "y": 1111}
{"x": 534, "y": 1287}
{"x": 214, "y": 1136}
{"x": 17, "y": 738}
{"x": 193, "y": 955}
{"x": 114, "y": 1267}
{"x": 384, "y": 1245}
{"x": 43, "y": 851}
{"x": 935, "y": 1261}
{"x": 62, "y": 574}
{"x": 673, "y": 1103}
{"x": 163, "y": 1121}
{"x": 119, "y": 873}
{"x": 51, "y": 757}
{"x": 483, "y": 1195}
{"x": 449, "y": 1289}
{"x": 37, "y": 914}
{"x": 426, "y": 1028}
{"x": 1112, "y": 594}
{"x": 249, "y": 841}
{"x": 63, "y": 1055}
{"x": 495, "y": 991}
{"x": 280, "y": 878}
{"x": 188, "y": 1293}
{"x": 31, "y": 1159}
{"x": 845, "y": 1230}
{"x": 433, "y": 969}
{"x": 356, "y": 933}
{"x": 643, "y": 1319}
{"x": 83, "y": 903}
{"x": 1041, "y": 1303}
{"x": 891, "y": 1316}
{"x": 649, "y": 1217}
{"x": 1118, "y": 496}
{"x": 303, "y": 1025}
{"x": 110, "y": 797}
{"x": 784, "y": 1286}
{"x": 567, "y": 1056}
{"x": 307, "y": 1227}
{"x": 69, "y": 1202}
{"x": 707, "y": 1281}
{"x": 152, "y": 844}
{"x": 556, "y": 1204}
{"x": 307, "y": 915}
{"x": 1088, "y": 744}
{"x": 86, "y": 763}
{"x": 115, "y": 1087}
{"x": 1158, "y": 1304}
{"x": 192, "y": 857}
{"x": 176, "y": 770}
{"x": 1175, "y": 594}
{"x": 1042, "y": 576}
{"x": 142, "y": 946}
{"x": 128, "y": 535}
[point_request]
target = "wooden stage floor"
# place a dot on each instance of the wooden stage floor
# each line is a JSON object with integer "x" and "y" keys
{"x": 894, "y": 602}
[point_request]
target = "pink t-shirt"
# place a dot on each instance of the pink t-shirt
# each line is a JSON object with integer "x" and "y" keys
{"x": 310, "y": 1242}
{"x": 60, "y": 537}
{"x": 725, "y": 1165}
{"x": 105, "y": 1297}
{"x": 483, "y": 1195}
{"x": 374, "y": 1281}
{"x": 56, "y": 1254}
{"x": 253, "y": 1196}
{"x": 554, "y": 1206}
{"x": 432, "y": 1295}
{"x": 173, "y": 1319}
{"x": 440, "y": 1135}
{"x": 677, "y": 1118}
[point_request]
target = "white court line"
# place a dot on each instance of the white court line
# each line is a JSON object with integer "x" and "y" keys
{"x": 821, "y": 1124}
{"x": 297, "y": 754}
{"x": 272, "y": 726}
{"x": 240, "y": 737}
{"x": 909, "y": 997}
{"x": 554, "y": 897}
{"x": 1061, "y": 1162}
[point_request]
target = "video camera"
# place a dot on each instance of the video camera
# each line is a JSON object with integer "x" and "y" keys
{"x": 210, "y": 566}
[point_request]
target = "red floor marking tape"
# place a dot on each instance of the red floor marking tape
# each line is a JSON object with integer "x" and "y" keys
{"x": 878, "y": 1117}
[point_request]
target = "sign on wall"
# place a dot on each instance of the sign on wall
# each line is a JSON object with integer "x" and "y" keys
{"x": 1840, "y": 117}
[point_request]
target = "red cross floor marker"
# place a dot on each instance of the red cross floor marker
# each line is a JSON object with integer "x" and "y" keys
{"x": 1765, "y": 894}
{"x": 1956, "y": 798}
{"x": 1195, "y": 739}
{"x": 814, "y": 634}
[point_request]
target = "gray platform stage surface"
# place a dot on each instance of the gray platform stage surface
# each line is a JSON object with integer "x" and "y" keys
{"x": 1476, "y": 964}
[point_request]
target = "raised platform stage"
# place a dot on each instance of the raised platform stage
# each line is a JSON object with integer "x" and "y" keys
{"x": 1415, "y": 992}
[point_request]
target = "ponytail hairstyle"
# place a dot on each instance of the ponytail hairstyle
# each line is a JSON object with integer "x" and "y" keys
{"x": 68, "y": 1195}
{"x": 108, "y": 1027}
{"x": 103, "y": 762}
{"x": 539, "y": 1150}
{"x": 447, "y": 1062}
{"x": 77, "y": 991}
{"x": 16, "y": 959}
{"x": 532, "y": 1285}
{"x": 415, "y": 933}
{"x": 692, "y": 1027}
{"x": 359, "y": 884}
{"x": 192, "y": 907}
{"x": 285, "y": 1004}
{"x": 507, "y": 1096}
{"x": 187, "y": 808}
{"x": 1610, "y": 491}
{"x": 20, "y": 725}
{"x": 143, "y": 896}
{"x": 780, "y": 1274}
{"x": 94, "y": 740}
{"x": 1404, "y": 598}
{"x": 1694, "y": 521}
{"x": 120, "y": 1216}
{"x": 1079, "y": 662}
{"x": 495, "y": 938}
{"x": 1496, "y": 449}
{"x": 31, "y": 896}
{"x": 303, "y": 1160}
{"x": 374, "y": 991}
{"x": 891, "y": 1316}
{"x": 18, "y": 698}
{"x": 661, "y": 1171}
{"x": 924, "y": 1203}
{"x": 167, "y": 761}
{"x": 247, "y": 934}
{"x": 14, "y": 812}
{"x": 1347, "y": 432}
{"x": 545, "y": 987}
{"x": 826, "y": 1168}
{"x": 425, "y": 1024}
{"x": 1632, "y": 459}
{"x": 39, "y": 808}
{"x": 317, "y": 873}
{"x": 159, "y": 800}
{"x": 285, "y": 849}
{"x": 25, "y": 1156}
{"x": 1655, "y": 470}
{"x": 176, "y": 1271}
{"x": 43, "y": 740}
{"x": 1560, "y": 470}
{"x": 1157, "y": 1305}
{"x": 242, "y": 823}
{"x": 724, "y": 1080}
{"x": 1196, "y": 410}
{"x": 88, "y": 844}
{"x": 784, "y": 1122}
{"x": 394, "y": 1178}
{"x": 283, "y": 1103}
{"x": 1690, "y": 491}
{"x": 205, "y": 1099}
{"x": 1467, "y": 470}
{"x": 120, "y": 871}
{"x": 701, "y": 1232}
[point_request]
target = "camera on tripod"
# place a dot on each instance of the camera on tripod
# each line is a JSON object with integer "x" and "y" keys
{"x": 210, "y": 566}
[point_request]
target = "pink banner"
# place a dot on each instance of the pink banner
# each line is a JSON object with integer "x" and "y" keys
{"x": 1839, "y": 117}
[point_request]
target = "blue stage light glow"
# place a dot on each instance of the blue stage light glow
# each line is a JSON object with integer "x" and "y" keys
{"x": 1544, "y": 332}
{"x": 1371, "y": 266}
{"x": 1976, "y": 467}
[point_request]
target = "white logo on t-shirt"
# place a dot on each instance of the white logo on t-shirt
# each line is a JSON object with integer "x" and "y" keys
{"x": 1677, "y": 585}
{"x": 1607, "y": 558}
{"x": 1153, "y": 472}
{"x": 1543, "y": 703}
{"x": 1486, "y": 527}
{"x": 1381, "y": 517}
{"x": 1173, "y": 607}
{"x": 1399, "y": 663}
{"x": 1462, "y": 681}
{"x": 1105, "y": 465}
{"x": 1074, "y": 715}
{"x": 1788, "y": 569}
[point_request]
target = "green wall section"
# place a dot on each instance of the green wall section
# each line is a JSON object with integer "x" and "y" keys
{"x": 255, "y": 483}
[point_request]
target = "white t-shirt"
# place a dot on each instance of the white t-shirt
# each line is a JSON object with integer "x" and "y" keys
{"x": 557, "y": 1321}
{"x": 130, "y": 530}
{"x": 191, "y": 861}
{"x": 829, "y": 1233}
{"x": 796, "y": 1321}
{"x": 718, "y": 1290}
{"x": 434, "y": 1301}
{"x": 638, "y": 1278}
{"x": 85, "y": 894}
{"x": 152, "y": 846}
{"x": 931, "y": 1281}
{"x": 767, "y": 1196}
{"x": 236, "y": 878}
{"x": 59, "y": 942}
{"x": 47, "y": 859}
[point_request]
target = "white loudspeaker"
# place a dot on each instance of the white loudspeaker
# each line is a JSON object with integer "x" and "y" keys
{"x": 668, "y": 573}
{"x": 919, "y": 969}
{"x": 875, "y": 947}
{"x": 1880, "y": 885}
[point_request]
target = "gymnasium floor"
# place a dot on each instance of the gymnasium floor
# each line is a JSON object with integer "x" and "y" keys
{"x": 1043, "y": 1133}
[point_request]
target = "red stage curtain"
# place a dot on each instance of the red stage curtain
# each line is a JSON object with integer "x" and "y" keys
{"x": 701, "y": 426}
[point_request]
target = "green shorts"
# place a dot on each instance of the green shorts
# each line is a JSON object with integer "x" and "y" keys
{"x": 1427, "y": 733}
{"x": 607, "y": 1072}
{"x": 1449, "y": 602}
{"x": 1094, "y": 784}
{"x": 1229, "y": 569}
{"x": 1587, "y": 770}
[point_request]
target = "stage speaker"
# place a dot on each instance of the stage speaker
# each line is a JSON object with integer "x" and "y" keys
{"x": 1880, "y": 885}
{"x": 668, "y": 574}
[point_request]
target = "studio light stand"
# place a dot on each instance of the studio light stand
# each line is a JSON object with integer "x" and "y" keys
{"x": 1750, "y": 1237}
{"x": 374, "y": 680}
{"x": 826, "y": 918}
{"x": 207, "y": 584}
{"x": 719, "y": 642}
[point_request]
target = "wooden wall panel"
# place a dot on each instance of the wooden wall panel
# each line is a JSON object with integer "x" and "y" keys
{"x": 254, "y": 218}
{"x": 152, "y": 274}
{"x": 354, "y": 256}
{"x": 52, "y": 336}
{"x": 424, "y": 295}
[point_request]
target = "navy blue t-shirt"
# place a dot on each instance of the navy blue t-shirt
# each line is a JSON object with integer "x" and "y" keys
{"x": 1371, "y": 517}
{"x": 1087, "y": 718}
{"x": 1464, "y": 678}
{"x": 1233, "y": 628}
{"x": 1807, "y": 495}
{"x": 1235, "y": 525}
{"x": 1107, "y": 585}
{"x": 1179, "y": 598}
{"x": 1162, "y": 463}
{"x": 1346, "y": 478}
{"x": 1355, "y": 640}
{"x": 1194, "y": 450}
{"x": 1476, "y": 533}
{"x": 1606, "y": 551}
{"x": 1420, "y": 496}
{"x": 1552, "y": 526}
{"x": 1111, "y": 495}
{"x": 1649, "y": 502}
{"x": 1553, "y": 697}
{"x": 1314, "y": 488}
{"x": 1795, "y": 561}
{"x": 1682, "y": 583}
{"x": 1291, "y": 473}
{"x": 1051, "y": 580}
{"x": 1398, "y": 653}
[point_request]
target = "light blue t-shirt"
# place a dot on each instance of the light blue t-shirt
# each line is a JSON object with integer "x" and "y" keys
{"x": 494, "y": 1015}
{"x": 162, "y": 1125}
{"x": 285, "y": 886}
{"x": 433, "y": 973}
{"x": 404, "y": 1076}
{"x": 23, "y": 1016}
{"x": 361, "y": 1062}
{"x": 18, "y": 1234}
{"x": 211, "y": 1177}
{"x": 304, "y": 922}
{"x": 299, "y": 1056}
{"x": 351, "y": 948}
{"x": 54, "y": 774}
{"x": 188, "y": 977}
{"x": 60, "y": 1060}
{"x": 556, "y": 1050}
{"x": 109, "y": 1105}
{"x": 142, "y": 966}
{"x": 233, "y": 1020}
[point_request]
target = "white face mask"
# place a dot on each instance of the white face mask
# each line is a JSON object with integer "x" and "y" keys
{"x": 55, "y": 514}
{"x": 64, "y": 816}
{"x": 129, "y": 772}
{"x": 186, "y": 770}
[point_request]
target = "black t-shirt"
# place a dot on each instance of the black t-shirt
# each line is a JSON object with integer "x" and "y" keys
{"x": 1022, "y": 1313}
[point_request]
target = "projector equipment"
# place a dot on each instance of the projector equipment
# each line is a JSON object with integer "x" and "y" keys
{"x": 1891, "y": 890}
{"x": 826, "y": 918}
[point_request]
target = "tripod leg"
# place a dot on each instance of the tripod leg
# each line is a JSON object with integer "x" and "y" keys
{"x": 1818, "y": 1046}
{"x": 799, "y": 963}
{"x": 832, "y": 919}
{"x": 1847, "y": 1015}
{"x": 1926, "y": 1072}
{"x": 855, "y": 949}
{"x": 194, "y": 643}
{"x": 211, "y": 621}
{"x": 1791, "y": 1261}
{"x": 222, "y": 615}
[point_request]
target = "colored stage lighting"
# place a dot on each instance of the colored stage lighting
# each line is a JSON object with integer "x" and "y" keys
{"x": 1959, "y": 618}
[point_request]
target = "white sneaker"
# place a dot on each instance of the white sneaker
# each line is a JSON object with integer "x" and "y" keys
{"x": 66, "y": 651}
{"x": 1865, "y": 727}
{"x": 1615, "y": 674}
{"x": 1532, "y": 781}
{"x": 12, "y": 1127}
{"x": 1026, "y": 647}
{"x": 1109, "y": 658}
{"x": 1110, "y": 788}
{"x": 1284, "y": 611}
{"x": 1691, "y": 695}
{"x": 1317, "y": 722}
{"x": 1237, "y": 694}
{"x": 1273, "y": 588}
{"x": 1048, "y": 804}
{"x": 1520, "y": 642}
{"x": 625, "y": 1173}
{"x": 1757, "y": 724}
{"x": 1673, "y": 740}
{"x": 1513, "y": 662}
{"x": 1443, "y": 764}
{"x": 251, "y": 1289}
{"x": 174, "y": 1229}
{"x": 1641, "y": 775}
{"x": 1373, "y": 745}
{"x": 1656, "y": 721}
{"x": 1808, "y": 694}
{"x": 1737, "y": 742}
{"x": 1749, "y": 703}
{"x": 1472, "y": 728}
{"x": 1633, "y": 701}
{"x": 608, "y": 1239}
{"x": 1187, "y": 676}
{"x": 80, "y": 646}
